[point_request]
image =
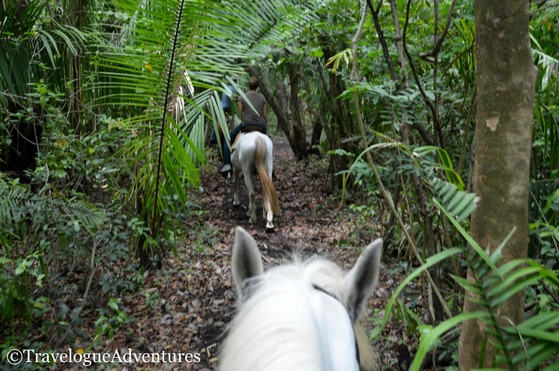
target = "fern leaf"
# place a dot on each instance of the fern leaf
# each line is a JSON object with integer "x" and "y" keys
{"x": 458, "y": 203}
{"x": 432, "y": 260}
{"x": 527, "y": 345}
{"x": 470, "y": 286}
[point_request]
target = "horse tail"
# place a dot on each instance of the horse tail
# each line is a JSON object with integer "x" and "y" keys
{"x": 269, "y": 194}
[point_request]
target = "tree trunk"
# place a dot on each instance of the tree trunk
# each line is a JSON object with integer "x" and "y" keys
{"x": 505, "y": 91}
{"x": 76, "y": 72}
{"x": 398, "y": 43}
{"x": 317, "y": 125}
{"x": 382, "y": 39}
{"x": 316, "y": 132}
{"x": 339, "y": 128}
{"x": 299, "y": 142}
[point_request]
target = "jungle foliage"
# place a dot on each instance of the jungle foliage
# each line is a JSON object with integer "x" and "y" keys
{"x": 106, "y": 105}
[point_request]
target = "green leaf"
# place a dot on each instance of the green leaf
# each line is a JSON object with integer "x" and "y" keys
{"x": 458, "y": 203}
{"x": 445, "y": 254}
{"x": 23, "y": 267}
{"x": 481, "y": 253}
{"x": 430, "y": 337}
{"x": 446, "y": 164}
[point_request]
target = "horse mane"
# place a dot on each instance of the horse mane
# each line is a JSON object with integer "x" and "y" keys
{"x": 265, "y": 335}
{"x": 269, "y": 193}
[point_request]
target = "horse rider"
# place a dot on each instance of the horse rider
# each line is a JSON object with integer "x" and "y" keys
{"x": 226, "y": 101}
{"x": 227, "y": 110}
{"x": 252, "y": 119}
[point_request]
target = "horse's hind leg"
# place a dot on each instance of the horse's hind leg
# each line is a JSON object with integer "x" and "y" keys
{"x": 236, "y": 176}
{"x": 251, "y": 207}
{"x": 268, "y": 211}
{"x": 269, "y": 215}
{"x": 251, "y": 196}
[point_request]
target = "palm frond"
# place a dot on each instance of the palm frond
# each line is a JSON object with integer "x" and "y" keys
{"x": 84, "y": 212}
{"x": 161, "y": 67}
{"x": 430, "y": 262}
{"x": 528, "y": 345}
{"x": 549, "y": 65}
{"x": 22, "y": 211}
{"x": 28, "y": 41}
{"x": 12, "y": 196}
{"x": 458, "y": 203}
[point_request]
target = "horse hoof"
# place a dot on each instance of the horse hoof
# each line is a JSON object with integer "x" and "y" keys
{"x": 270, "y": 230}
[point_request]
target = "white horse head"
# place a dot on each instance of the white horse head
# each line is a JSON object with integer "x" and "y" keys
{"x": 254, "y": 150}
{"x": 299, "y": 316}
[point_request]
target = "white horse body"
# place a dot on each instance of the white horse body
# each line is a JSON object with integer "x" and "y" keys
{"x": 255, "y": 150}
{"x": 296, "y": 317}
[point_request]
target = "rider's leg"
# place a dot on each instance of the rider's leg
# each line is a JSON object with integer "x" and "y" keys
{"x": 227, "y": 149}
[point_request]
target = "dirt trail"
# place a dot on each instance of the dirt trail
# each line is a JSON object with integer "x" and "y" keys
{"x": 187, "y": 309}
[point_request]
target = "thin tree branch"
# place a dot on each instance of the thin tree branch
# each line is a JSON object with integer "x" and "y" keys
{"x": 398, "y": 42}
{"x": 422, "y": 132}
{"x": 383, "y": 190}
{"x": 548, "y": 290}
{"x": 439, "y": 40}
{"x": 382, "y": 39}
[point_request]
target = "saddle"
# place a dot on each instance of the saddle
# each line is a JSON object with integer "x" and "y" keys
{"x": 248, "y": 129}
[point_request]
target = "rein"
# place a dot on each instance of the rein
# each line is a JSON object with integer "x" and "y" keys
{"x": 323, "y": 290}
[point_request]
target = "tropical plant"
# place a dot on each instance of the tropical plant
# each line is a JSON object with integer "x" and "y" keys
{"x": 36, "y": 48}
{"x": 545, "y": 132}
{"x": 162, "y": 66}
{"x": 531, "y": 344}
{"x": 26, "y": 242}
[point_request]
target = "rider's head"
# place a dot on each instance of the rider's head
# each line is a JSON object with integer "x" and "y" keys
{"x": 253, "y": 83}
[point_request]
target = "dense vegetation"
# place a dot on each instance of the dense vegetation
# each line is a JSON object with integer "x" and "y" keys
{"x": 106, "y": 106}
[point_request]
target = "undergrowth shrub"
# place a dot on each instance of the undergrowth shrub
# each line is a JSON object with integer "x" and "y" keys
{"x": 65, "y": 237}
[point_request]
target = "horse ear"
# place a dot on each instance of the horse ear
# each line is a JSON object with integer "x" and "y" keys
{"x": 246, "y": 261}
{"x": 362, "y": 279}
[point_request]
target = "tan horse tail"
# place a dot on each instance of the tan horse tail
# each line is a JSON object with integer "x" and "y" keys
{"x": 269, "y": 193}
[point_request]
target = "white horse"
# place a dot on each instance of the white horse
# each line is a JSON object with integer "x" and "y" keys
{"x": 255, "y": 150}
{"x": 301, "y": 316}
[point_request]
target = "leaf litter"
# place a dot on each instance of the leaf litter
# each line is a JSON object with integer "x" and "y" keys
{"x": 187, "y": 305}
